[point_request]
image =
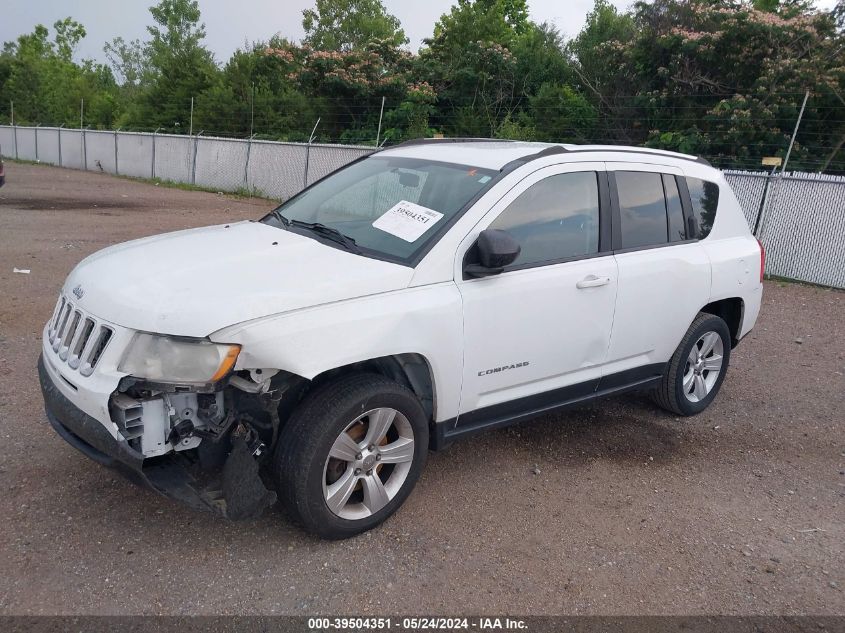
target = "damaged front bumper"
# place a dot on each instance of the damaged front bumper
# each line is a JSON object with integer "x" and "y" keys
{"x": 235, "y": 492}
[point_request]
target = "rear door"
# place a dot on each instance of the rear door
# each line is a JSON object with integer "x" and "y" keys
{"x": 664, "y": 276}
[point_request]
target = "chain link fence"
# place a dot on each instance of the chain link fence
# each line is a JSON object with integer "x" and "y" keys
{"x": 798, "y": 216}
{"x": 266, "y": 168}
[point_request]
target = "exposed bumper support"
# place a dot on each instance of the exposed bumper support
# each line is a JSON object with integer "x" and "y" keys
{"x": 166, "y": 475}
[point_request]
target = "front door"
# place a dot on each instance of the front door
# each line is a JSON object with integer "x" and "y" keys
{"x": 538, "y": 333}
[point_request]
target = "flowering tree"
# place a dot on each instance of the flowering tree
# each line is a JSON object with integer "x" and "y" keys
{"x": 348, "y": 86}
{"x": 723, "y": 78}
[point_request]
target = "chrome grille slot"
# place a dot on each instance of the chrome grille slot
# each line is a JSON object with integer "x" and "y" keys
{"x": 77, "y": 338}
{"x": 54, "y": 320}
{"x": 97, "y": 349}
{"x": 79, "y": 344}
{"x": 63, "y": 321}
{"x": 67, "y": 339}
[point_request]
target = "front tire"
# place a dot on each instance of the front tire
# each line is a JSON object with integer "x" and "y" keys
{"x": 697, "y": 368}
{"x": 350, "y": 455}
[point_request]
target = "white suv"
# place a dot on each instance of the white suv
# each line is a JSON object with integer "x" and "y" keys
{"x": 415, "y": 296}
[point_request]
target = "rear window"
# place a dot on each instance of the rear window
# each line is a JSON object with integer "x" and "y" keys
{"x": 705, "y": 200}
{"x": 642, "y": 209}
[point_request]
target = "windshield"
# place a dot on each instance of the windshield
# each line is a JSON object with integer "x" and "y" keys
{"x": 390, "y": 206}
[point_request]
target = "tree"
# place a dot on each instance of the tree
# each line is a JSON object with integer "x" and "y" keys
{"x": 721, "y": 78}
{"x": 128, "y": 60}
{"x": 347, "y": 87}
{"x": 562, "y": 114}
{"x": 595, "y": 50}
{"x": 180, "y": 66}
{"x": 484, "y": 60}
{"x": 497, "y": 21}
{"x": 345, "y": 25}
{"x": 68, "y": 34}
{"x": 46, "y": 85}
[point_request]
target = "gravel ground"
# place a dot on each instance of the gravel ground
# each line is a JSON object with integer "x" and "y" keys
{"x": 737, "y": 511}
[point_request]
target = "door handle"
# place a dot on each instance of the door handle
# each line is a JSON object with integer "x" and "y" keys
{"x": 592, "y": 281}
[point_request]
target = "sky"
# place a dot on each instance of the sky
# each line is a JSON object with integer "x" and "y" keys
{"x": 229, "y": 24}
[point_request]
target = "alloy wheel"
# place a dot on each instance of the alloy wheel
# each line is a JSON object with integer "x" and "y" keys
{"x": 368, "y": 463}
{"x": 703, "y": 366}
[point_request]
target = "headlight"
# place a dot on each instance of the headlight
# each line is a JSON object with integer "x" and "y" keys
{"x": 165, "y": 359}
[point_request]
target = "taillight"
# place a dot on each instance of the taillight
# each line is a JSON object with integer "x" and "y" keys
{"x": 762, "y": 259}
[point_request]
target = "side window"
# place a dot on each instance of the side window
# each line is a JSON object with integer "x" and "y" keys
{"x": 705, "y": 201}
{"x": 555, "y": 218}
{"x": 642, "y": 209}
{"x": 674, "y": 210}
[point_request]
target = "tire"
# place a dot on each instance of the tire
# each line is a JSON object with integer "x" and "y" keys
{"x": 693, "y": 397}
{"x": 309, "y": 475}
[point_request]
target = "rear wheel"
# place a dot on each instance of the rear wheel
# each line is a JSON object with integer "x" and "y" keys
{"x": 697, "y": 368}
{"x": 351, "y": 454}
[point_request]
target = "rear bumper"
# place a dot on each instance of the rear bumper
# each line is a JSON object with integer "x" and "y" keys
{"x": 164, "y": 475}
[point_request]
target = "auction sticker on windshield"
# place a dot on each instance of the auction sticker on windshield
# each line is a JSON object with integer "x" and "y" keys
{"x": 407, "y": 221}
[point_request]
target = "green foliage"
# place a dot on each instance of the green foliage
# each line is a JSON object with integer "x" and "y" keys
{"x": 129, "y": 61}
{"x": 38, "y": 75}
{"x": 560, "y": 113}
{"x": 720, "y": 78}
{"x": 68, "y": 35}
{"x": 519, "y": 128}
{"x": 345, "y": 25}
{"x": 180, "y": 67}
{"x": 496, "y": 21}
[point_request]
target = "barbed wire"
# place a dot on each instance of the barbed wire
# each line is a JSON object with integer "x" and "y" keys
{"x": 623, "y": 122}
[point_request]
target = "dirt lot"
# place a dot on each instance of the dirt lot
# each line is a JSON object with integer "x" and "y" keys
{"x": 738, "y": 511}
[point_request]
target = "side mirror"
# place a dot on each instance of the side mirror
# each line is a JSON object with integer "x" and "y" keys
{"x": 496, "y": 249}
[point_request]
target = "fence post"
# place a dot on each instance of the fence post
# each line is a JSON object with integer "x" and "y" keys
{"x": 194, "y": 162}
{"x": 764, "y": 211}
{"x": 116, "y": 170}
{"x": 14, "y": 129}
{"x": 60, "y": 143}
{"x": 380, "y": 115}
{"x": 153, "y": 163}
{"x": 246, "y": 165}
{"x": 763, "y": 201}
{"x": 82, "y": 147}
{"x": 308, "y": 152}
{"x": 36, "y": 142}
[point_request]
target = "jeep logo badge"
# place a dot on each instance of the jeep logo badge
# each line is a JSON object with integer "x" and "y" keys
{"x": 78, "y": 292}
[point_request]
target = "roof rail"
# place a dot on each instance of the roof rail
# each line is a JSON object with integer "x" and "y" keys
{"x": 648, "y": 151}
{"x": 548, "y": 151}
{"x": 454, "y": 139}
{"x": 555, "y": 149}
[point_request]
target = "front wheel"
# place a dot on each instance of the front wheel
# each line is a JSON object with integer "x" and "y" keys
{"x": 351, "y": 454}
{"x": 697, "y": 368}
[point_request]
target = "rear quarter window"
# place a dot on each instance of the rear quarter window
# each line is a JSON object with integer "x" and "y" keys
{"x": 704, "y": 196}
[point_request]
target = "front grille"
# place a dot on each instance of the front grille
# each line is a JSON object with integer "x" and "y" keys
{"x": 77, "y": 338}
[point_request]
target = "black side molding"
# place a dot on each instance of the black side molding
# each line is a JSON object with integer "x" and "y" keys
{"x": 508, "y": 413}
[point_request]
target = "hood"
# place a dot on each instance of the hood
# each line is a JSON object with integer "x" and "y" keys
{"x": 195, "y": 282}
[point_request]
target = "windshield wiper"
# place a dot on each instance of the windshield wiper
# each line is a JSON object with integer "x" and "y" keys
{"x": 282, "y": 219}
{"x": 327, "y": 232}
